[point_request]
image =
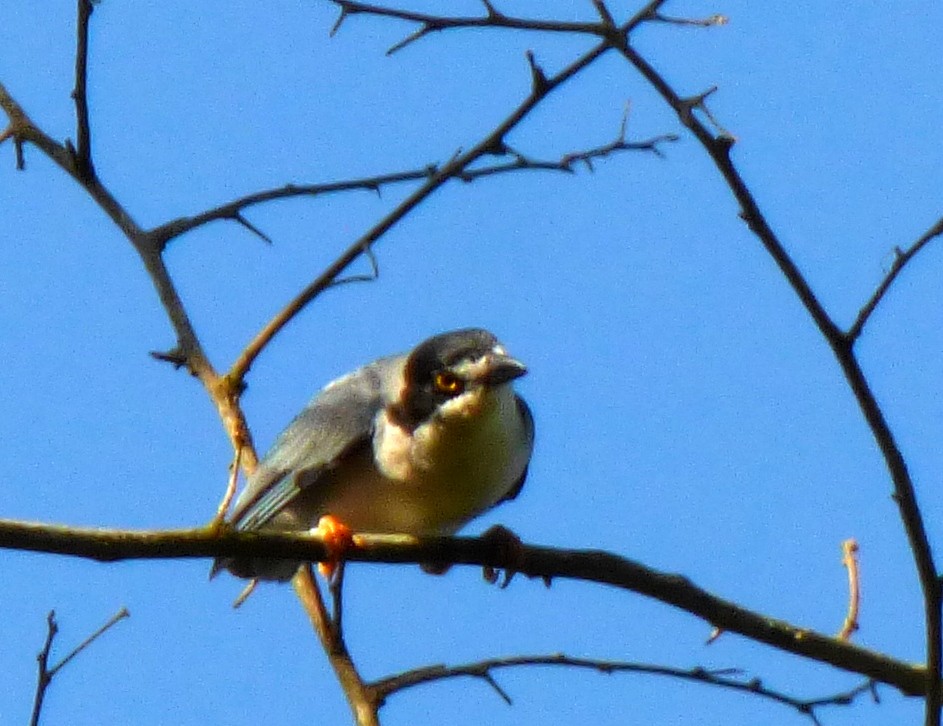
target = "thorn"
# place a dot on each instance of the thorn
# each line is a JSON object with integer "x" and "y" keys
{"x": 537, "y": 76}
{"x": 175, "y": 356}
{"x": 340, "y": 19}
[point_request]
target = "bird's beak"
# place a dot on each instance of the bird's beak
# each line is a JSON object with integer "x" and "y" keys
{"x": 500, "y": 368}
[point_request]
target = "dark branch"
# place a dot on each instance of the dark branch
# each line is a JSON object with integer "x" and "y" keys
{"x": 233, "y": 210}
{"x": 718, "y": 148}
{"x": 46, "y": 674}
{"x": 43, "y": 677}
{"x": 545, "y": 563}
{"x": 901, "y": 258}
{"x": 83, "y": 134}
{"x": 433, "y": 23}
{"x": 454, "y": 168}
{"x": 729, "y": 678}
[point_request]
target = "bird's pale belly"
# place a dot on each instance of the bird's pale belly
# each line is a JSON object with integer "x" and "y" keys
{"x": 436, "y": 502}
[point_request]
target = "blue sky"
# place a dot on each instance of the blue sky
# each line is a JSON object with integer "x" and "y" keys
{"x": 689, "y": 415}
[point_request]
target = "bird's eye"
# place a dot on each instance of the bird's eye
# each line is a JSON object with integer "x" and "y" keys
{"x": 447, "y": 383}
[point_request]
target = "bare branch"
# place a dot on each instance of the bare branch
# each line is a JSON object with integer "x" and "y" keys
{"x": 729, "y": 678}
{"x": 433, "y": 23}
{"x": 111, "y": 622}
{"x": 546, "y": 563}
{"x": 83, "y": 134}
{"x": 850, "y": 560}
{"x": 46, "y": 674}
{"x": 901, "y": 258}
{"x": 167, "y": 232}
{"x": 708, "y": 22}
{"x": 453, "y": 169}
{"x": 904, "y": 493}
{"x": 224, "y": 391}
{"x": 361, "y": 696}
{"x": 43, "y": 678}
{"x": 231, "y": 486}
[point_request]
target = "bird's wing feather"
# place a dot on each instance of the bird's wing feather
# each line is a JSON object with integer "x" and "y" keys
{"x": 338, "y": 419}
{"x": 529, "y": 426}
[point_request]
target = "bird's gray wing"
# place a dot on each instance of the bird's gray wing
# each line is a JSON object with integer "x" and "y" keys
{"x": 340, "y": 418}
{"x": 529, "y": 425}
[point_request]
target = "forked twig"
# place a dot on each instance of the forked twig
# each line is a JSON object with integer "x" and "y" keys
{"x": 45, "y": 673}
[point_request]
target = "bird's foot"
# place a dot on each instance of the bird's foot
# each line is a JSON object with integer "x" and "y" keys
{"x": 511, "y": 551}
{"x": 338, "y": 538}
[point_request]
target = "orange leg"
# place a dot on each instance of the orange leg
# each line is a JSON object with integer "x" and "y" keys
{"x": 338, "y": 538}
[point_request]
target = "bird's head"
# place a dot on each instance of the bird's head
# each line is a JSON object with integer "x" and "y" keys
{"x": 453, "y": 376}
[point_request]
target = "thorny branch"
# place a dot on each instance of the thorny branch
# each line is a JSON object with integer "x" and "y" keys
{"x": 224, "y": 390}
{"x": 729, "y": 678}
{"x": 232, "y": 210}
{"x": 492, "y": 143}
{"x": 718, "y": 148}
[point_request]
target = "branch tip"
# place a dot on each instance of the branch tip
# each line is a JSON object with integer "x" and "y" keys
{"x": 175, "y": 356}
{"x": 538, "y": 78}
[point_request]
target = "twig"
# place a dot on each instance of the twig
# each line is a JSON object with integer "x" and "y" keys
{"x": 708, "y": 22}
{"x": 83, "y": 134}
{"x": 529, "y": 560}
{"x": 336, "y": 587}
{"x": 842, "y": 347}
{"x": 43, "y": 677}
{"x": 169, "y": 231}
{"x": 46, "y": 674}
{"x": 433, "y": 23}
{"x": 850, "y": 560}
{"x": 452, "y": 169}
{"x": 729, "y": 678}
{"x": 230, "y": 492}
{"x": 361, "y": 696}
{"x": 901, "y": 258}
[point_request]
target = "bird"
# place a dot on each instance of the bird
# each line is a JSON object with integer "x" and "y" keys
{"x": 418, "y": 443}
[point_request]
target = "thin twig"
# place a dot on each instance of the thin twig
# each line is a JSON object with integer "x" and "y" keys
{"x": 434, "y": 23}
{"x": 45, "y": 673}
{"x": 850, "y": 560}
{"x": 452, "y": 169}
{"x": 718, "y": 148}
{"x": 111, "y": 622}
{"x": 42, "y": 676}
{"x": 901, "y": 258}
{"x": 165, "y": 233}
{"x": 230, "y": 492}
{"x": 361, "y": 696}
{"x": 83, "y": 133}
{"x": 708, "y": 22}
{"x": 729, "y": 678}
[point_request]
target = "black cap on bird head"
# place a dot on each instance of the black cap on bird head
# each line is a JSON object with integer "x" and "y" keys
{"x": 446, "y": 365}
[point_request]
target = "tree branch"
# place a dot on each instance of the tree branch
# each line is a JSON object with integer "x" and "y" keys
{"x": 729, "y": 678}
{"x": 362, "y": 697}
{"x": 546, "y": 563}
{"x": 46, "y": 674}
{"x": 492, "y": 143}
{"x": 901, "y": 258}
{"x": 433, "y": 23}
{"x": 231, "y": 211}
{"x": 718, "y": 148}
{"x": 83, "y": 134}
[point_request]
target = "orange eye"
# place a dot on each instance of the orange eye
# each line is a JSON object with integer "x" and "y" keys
{"x": 447, "y": 383}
